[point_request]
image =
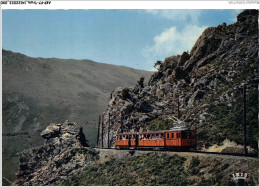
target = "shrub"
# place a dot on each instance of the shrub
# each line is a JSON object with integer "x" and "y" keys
{"x": 125, "y": 93}
{"x": 141, "y": 82}
{"x": 194, "y": 166}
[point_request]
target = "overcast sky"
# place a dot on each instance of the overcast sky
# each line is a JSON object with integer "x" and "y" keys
{"x": 133, "y": 38}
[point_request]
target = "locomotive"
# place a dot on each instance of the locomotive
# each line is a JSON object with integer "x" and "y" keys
{"x": 177, "y": 138}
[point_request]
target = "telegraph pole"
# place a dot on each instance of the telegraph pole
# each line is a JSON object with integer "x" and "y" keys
{"x": 108, "y": 146}
{"x": 102, "y": 130}
{"x": 244, "y": 118}
{"x": 98, "y": 130}
{"x": 178, "y": 107}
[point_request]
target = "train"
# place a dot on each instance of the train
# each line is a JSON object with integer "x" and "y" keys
{"x": 177, "y": 138}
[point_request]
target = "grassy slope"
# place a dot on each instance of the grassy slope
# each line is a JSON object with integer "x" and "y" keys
{"x": 164, "y": 170}
{"x": 38, "y": 91}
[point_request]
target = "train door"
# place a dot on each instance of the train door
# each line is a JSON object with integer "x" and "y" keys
{"x": 164, "y": 139}
{"x": 136, "y": 140}
{"x": 178, "y": 143}
{"x": 129, "y": 141}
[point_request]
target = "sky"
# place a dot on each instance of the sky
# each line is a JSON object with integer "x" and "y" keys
{"x": 133, "y": 38}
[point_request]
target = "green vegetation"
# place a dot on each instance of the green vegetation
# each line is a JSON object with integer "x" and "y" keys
{"x": 193, "y": 167}
{"x": 157, "y": 65}
{"x": 125, "y": 93}
{"x": 141, "y": 82}
{"x": 156, "y": 169}
{"x": 148, "y": 170}
{"x": 158, "y": 124}
{"x": 229, "y": 120}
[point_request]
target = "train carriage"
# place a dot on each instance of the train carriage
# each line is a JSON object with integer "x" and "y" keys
{"x": 177, "y": 138}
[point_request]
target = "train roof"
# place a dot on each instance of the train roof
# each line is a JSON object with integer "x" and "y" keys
{"x": 154, "y": 132}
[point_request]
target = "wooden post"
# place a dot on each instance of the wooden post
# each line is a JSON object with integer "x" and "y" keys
{"x": 108, "y": 128}
{"x": 244, "y": 118}
{"x": 178, "y": 107}
{"x": 121, "y": 122}
{"x": 102, "y": 130}
{"x": 98, "y": 130}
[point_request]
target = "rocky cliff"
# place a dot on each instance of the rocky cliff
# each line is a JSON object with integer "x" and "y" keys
{"x": 207, "y": 83}
{"x": 65, "y": 154}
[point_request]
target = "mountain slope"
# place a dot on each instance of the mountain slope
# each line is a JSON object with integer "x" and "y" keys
{"x": 39, "y": 91}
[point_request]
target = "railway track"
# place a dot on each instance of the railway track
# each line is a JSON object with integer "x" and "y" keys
{"x": 132, "y": 151}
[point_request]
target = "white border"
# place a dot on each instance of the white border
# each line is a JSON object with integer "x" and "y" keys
{"x": 138, "y": 5}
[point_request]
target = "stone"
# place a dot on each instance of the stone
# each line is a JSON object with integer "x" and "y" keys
{"x": 215, "y": 83}
{"x": 51, "y": 131}
{"x": 184, "y": 57}
{"x": 144, "y": 118}
{"x": 143, "y": 106}
{"x": 196, "y": 95}
{"x": 127, "y": 108}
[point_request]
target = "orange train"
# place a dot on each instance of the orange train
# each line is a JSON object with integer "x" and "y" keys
{"x": 176, "y": 139}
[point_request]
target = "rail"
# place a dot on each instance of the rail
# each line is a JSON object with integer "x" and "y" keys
{"x": 174, "y": 151}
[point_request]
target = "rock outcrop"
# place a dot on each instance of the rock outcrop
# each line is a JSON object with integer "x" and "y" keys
{"x": 65, "y": 153}
{"x": 208, "y": 80}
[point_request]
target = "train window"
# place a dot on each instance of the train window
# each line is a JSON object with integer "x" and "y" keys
{"x": 152, "y": 136}
{"x": 172, "y": 135}
{"x": 120, "y": 137}
{"x": 168, "y": 135}
{"x": 157, "y": 136}
{"x": 126, "y": 136}
{"x": 148, "y": 136}
{"x": 184, "y": 135}
{"x": 162, "y": 135}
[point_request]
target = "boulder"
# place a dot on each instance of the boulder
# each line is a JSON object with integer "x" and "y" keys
{"x": 184, "y": 57}
{"x": 52, "y": 131}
